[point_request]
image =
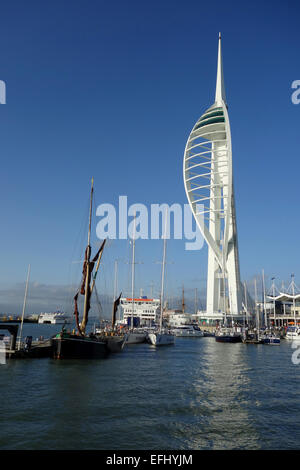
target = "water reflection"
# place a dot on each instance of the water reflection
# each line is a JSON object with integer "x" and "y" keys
{"x": 197, "y": 394}
{"x": 217, "y": 412}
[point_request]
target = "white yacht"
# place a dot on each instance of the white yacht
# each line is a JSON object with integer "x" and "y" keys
{"x": 187, "y": 331}
{"x": 293, "y": 332}
{"x": 162, "y": 336}
{"x": 54, "y": 318}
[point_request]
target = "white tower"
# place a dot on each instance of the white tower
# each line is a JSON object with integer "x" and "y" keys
{"x": 207, "y": 173}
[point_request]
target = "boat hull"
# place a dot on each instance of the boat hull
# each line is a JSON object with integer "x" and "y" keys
{"x": 135, "y": 338}
{"x": 272, "y": 341}
{"x": 228, "y": 339}
{"x": 76, "y": 347}
{"x": 293, "y": 336}
{"x": 188, "y": 334}
{"x": 115, "y": 343}
{"x": 161, "y": 339}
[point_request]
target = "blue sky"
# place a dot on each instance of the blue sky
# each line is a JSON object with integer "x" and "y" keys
{"x": 112, "y": 90}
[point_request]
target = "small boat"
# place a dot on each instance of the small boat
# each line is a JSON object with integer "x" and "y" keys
{"x": 115, "y": 342}
{"x": 162, "y": 336}
{"x": 293, "y": 332}
{"x": 270, "y": 338}
{"x": 34, "y": 349}
{"x": 252, "y": 338}
{"x": 136, "y": 336}
{"x": 114, "y": 339}
{"x": 228, "y": 335}
{"x": 208, "y": 334}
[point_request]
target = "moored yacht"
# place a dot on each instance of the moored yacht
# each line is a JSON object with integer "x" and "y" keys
{"x": 136, "y": 336}
{"x": 293, "y": 332}
{"x": 187, "y": 331}
{"x": 162, "y": 336}
{"x": 228, "y": 335}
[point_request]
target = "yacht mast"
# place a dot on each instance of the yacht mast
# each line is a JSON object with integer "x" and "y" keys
{"x": 163, "y": 275}
{"x": 274, "y": 303}
{"x": 256, "y": 307}
{"x": 264, "y": 298}
{"x": 24, "y": 305}
{"x": 293, "y": 291}
{"x": 196, "y": 301}
{"x": 132, "y": 272}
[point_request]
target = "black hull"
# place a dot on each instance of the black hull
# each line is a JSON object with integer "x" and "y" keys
{"x": 76, "y": 347}
{"x": 115, "y": 344}
{"x": 228, "y": 339}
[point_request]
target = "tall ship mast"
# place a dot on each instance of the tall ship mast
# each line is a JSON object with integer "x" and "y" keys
{"x": 82, "y": 345}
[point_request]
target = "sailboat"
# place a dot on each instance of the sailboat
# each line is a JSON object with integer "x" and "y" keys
{"x": 27, "y": 348}
{"x": 134, "y": 335}
{"x": 226, "y": 334}
{"x": 82, "y": 345}
{"x": 253, "y": 337}
{"x": 115, "y": 340}
{"x": 163, "y": 336}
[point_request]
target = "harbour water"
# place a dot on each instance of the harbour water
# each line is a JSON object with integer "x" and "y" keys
{"x": 197, "y": 394}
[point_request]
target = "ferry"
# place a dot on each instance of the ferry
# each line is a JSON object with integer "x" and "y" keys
{"x": 54, "y": 318}
{"x": 143, "y": 310}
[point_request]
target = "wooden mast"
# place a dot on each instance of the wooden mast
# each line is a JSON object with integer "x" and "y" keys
{"x": 88, "y": 254}
{"x": 96, "y": 271}
{"x": 115, "y": 296}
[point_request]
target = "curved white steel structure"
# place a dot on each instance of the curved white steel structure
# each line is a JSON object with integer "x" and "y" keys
{"x": 207, "y": 173}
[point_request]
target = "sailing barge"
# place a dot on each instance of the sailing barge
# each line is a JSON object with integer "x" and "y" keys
{"x": 82, "y": 345}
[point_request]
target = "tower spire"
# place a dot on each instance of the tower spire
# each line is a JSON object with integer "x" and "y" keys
{"x": 220, "y": 89}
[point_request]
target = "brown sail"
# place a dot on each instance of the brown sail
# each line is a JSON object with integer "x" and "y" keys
{"x": 85, "y": 288}
{"x": 115, "y": 308}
